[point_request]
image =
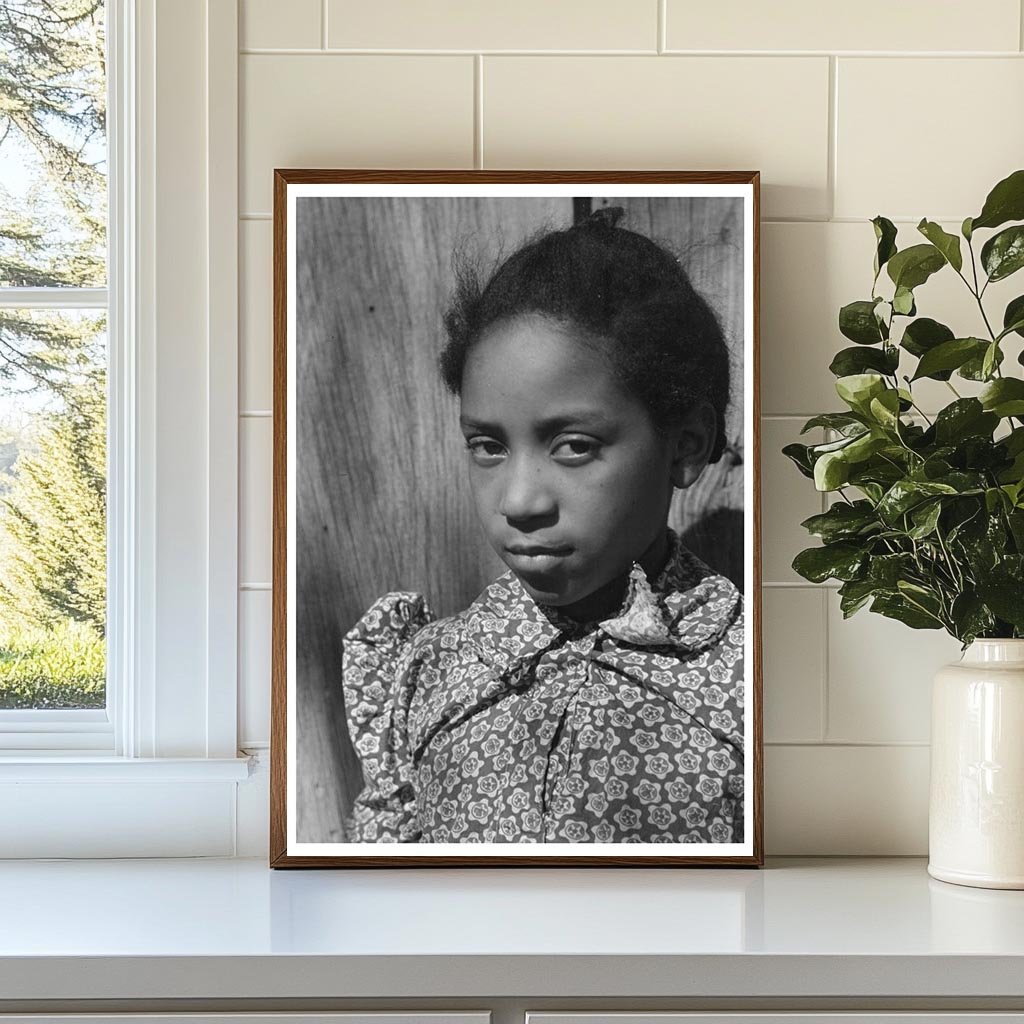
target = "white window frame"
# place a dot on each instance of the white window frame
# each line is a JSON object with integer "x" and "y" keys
{"x": 157, "y": 773}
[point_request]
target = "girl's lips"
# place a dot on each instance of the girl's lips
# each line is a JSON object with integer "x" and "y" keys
{"x": 537, "y": 549}
{"x": 535, "y": 558}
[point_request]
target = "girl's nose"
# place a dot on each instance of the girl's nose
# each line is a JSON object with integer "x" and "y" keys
{"x": 526, "y": 494}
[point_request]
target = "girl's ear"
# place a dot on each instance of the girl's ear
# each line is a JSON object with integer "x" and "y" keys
{"x": 693, "y": 440}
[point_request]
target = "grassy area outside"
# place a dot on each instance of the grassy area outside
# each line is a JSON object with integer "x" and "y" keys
{"x": 60, "y": 667}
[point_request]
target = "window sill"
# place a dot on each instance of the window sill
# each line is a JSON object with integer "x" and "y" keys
{"x": 74, "y": 766}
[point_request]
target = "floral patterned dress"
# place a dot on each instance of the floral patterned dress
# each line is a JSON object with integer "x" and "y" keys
{"x": 511, "y": 723}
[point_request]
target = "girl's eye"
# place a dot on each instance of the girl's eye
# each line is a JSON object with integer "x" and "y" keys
{"x": 574, "y": 451}
{"x": 485, "y": 451}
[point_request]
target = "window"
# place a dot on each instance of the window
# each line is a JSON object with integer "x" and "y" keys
{"x": 53, "y": 371}
{"x": 154, "y": 763}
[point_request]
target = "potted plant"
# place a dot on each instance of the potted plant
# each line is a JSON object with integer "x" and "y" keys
{"x": 927, "y": 521}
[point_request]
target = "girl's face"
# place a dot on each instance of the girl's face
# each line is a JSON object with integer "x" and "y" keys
{"x": 571, "y": 480}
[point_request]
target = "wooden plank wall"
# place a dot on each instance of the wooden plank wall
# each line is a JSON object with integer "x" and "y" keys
{"x": 380, "y": 500}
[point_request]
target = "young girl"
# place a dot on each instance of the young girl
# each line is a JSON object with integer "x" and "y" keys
{"x": 594, "y": 692}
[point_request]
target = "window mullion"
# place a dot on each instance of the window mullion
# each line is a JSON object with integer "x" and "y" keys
{"x": 53, "y": 298}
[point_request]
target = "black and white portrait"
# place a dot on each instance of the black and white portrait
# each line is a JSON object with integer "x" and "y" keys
{"x": 514, "y": 508}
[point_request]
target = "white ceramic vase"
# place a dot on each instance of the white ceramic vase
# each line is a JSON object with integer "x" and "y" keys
{"x": 976, "y": 813}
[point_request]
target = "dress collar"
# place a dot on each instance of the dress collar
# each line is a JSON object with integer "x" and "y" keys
{"x": 687, "y": 608}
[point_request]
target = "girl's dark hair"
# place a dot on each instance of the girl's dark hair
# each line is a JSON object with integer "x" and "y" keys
{"x": 669, "y": 349}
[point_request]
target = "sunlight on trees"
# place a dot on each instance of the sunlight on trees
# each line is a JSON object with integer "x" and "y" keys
{"x": 52, "y": 365}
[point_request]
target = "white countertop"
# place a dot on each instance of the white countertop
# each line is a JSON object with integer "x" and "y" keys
{"x": 235, "y": 929}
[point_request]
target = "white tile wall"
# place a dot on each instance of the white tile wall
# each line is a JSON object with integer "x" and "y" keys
{"x": 794, "y": 663}
{"x": 838, "y": 138}
{"x": 330, "y": 110}
{"x": 254, "y": 665}
{"x": 874, "y": 25}
{"x": 471, "y": 25}
{"x": 879, "y": 677}
{"x": 256, "y": 446}
{"x": 256, "y": 307}
{"x": 261, "y": 26}
{"x": 788, "y": 498}
{"x": 969, "y": 110}
{"x": 698, "y": 113}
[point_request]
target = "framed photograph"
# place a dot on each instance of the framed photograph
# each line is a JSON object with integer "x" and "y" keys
{"x": 516, "y": 569}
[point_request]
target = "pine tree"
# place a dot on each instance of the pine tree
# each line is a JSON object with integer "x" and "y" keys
{"x": 53, "y": 234}
{"x": 52, "y": 121}
{"x": 53, "y": 521}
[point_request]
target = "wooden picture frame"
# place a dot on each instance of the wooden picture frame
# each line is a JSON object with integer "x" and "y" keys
{"x": 364, "y": 503}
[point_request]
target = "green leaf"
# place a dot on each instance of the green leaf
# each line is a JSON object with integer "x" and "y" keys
{"x": 854, "y": 594}
{"x": 865, "y": 446}
{"x": 906, "y": 494}
{"x": 1015, "y": 518}
{"x": 843, "y": 521}
{"x": 903, "y": 302}
{"x": 1003, "y": 254}
{"x": 991, "y": 360}
{"x": 841, "y": 421}
{"x": 885, "y": 236}
{"x": 850, "y": 361}
{"x": 964, "y": 418}
{"x": 950, "y": 355}
{"x": 925, "y": 518}
{"x": 882, "y": 471}
{"x": 840, "y": 561}
{"x": 1005, "y": 202}
{"x": 1004, "y": 397}
{"x": 964, "y": 482}
{"x": 799, "y": 454}
{"x": 924, "y": 334}
{"x": 1014, "y": 441}
{"x": 1006, "y": 599}
{"x": 897, "y": 607}
{"x": 994, "y": 498}
{"x": 965, "y": 229}
{"x": 912, "y": 267}
{"x": 831, "y": 471}
{"x": 1013, "y": 318}
{"x": 970, "y": 617}
{"x": 885, "y": 409}
{"x": 974, "y": 368}
{"x": 947, "y": 244}
{"x": 858, "y": 389}
{"x": 857, "y": 321}
{"x": 887, "y": 570}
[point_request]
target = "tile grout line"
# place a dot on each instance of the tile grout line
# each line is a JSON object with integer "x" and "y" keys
{"x": 478, "y": 111}
{"x": 1020, "y": 22}
{"x": 845, "y": 744}
{"x": 833, "y": 134}
{"x": 824, "y": 723}
{"x": 768, "y": 55}
{"x": 663, "y": 28}
{"x": 323, "y": 24}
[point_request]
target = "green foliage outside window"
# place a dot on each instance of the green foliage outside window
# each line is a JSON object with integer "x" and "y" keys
{"x": 52, "y": 365}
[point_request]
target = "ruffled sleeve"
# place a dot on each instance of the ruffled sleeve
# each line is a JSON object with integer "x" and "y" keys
{"x": 378, "y": 679}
